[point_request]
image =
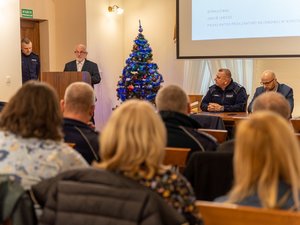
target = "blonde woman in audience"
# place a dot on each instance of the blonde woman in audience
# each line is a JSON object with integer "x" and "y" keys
{"x": 266, "y": 163}
{"x": 31, "y": 140}
{"x": 132, "y": 144}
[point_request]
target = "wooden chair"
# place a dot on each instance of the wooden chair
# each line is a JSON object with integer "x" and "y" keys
{"x": 195, "y": 101}
{"x": 176, "y": 157}
{"x": 296, "y": 125}
{"x": 214, "y": 213}
{"x": 72, "y": 145}
{"x": 237, "y": 120}
{"x": 220, "y": 135}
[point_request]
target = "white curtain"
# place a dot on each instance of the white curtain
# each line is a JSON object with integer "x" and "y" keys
{"x": 199, "y": 74}
{"x": 194, "y": 71}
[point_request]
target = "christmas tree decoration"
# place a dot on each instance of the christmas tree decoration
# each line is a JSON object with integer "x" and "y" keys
{"x": 140, "y": 78}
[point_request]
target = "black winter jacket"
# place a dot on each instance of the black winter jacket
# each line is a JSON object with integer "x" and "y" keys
{"x": 182, "y": 133}
{"x": 86, "y": 139}
{"x": 94, "y": 196}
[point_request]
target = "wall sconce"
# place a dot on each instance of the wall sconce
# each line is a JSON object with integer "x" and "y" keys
{"x": 116, "y": 9}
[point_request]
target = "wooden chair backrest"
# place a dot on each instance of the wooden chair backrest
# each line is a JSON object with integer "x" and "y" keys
{"x": 230, "y": 214}
{"x": 194, "y": 98}
{"x": 176, "y": 156}
{"x": 195, "y": 101}
{"x": 72, "y": 145}
{"x": 238, "y": 119}
{"x": 296, "y": 125}
{"x": 220, "y": 135}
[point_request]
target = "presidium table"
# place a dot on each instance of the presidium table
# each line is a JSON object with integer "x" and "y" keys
{"x": 220, "y": 121}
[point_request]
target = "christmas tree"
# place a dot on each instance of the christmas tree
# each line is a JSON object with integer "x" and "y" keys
{"x": 140, "y": 78}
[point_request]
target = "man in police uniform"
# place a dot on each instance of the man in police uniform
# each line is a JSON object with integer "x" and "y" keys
{"x": 225, "y": 95}
{"x": 30, "y": 62}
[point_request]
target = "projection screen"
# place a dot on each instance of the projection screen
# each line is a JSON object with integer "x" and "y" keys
{"x": 238, "y": 29}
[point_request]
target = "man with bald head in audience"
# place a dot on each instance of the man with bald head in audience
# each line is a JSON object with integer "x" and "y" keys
{"x": 273, "y": 101}
{"x": 173, "y": 105}
{"x": 78, "y": 107}
{"x": 269, "y": 83}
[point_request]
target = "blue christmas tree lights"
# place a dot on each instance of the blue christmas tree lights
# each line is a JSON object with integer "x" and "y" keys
{"x": 140, "y": 78}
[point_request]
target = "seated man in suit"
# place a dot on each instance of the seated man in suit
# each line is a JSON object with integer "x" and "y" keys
{"x": 173, "y": 105}
{"x": 78, "y": 107}
{"x": 225, "y": 95}
{"x": 270, "y": 83}
{"x": 82, "y": 64}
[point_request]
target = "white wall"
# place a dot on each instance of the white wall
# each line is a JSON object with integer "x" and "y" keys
{"x": 110, "y": 39}
{"x": 70, "y": 30}
{"x": 10, "y": 57}
{"x": 44, "y": 10}
{"x": 158, "y": 19}
{"x": 105, "y": 46}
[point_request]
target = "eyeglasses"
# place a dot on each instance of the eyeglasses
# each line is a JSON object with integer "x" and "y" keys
{"x": 267, "y": 82}
{"x": 77, "y": 52}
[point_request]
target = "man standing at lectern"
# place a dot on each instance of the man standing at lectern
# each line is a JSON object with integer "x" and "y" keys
{"x": 82, "y": 64}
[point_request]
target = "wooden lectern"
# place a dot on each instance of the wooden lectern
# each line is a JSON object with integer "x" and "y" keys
{"x": 61, "y": 80}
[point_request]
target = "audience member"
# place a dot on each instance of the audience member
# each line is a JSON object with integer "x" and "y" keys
{"x": 266, "y": 163}
{"x": 78, "y": 108}
{"x": 269, "y": 83}
{"x": 31, "y": 136}
{"x": 30, "y": 61}
{"x": 96, "y": 196}
{"x": 130, "y": 176}
{"x": 273, "y": 101}
{"x": 132, "y": 143}
{"x": 173, "y": 106}
{"x": 225, "y": 95}
{"x": 82, "y": 64}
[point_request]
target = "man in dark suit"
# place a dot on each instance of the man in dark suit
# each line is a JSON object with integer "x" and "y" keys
{"x": 269, "y": 83}
{"x": 82, "y": 64}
